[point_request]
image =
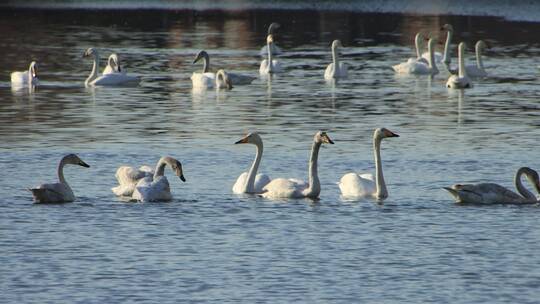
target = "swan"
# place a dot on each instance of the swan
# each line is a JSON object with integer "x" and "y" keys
{"x": 445, "y": 57}
{"x": 128, "y": 178}
{"x": 418, "y": 67}
{"x": 335, "y": 69}
{"x": 113, "y": 65}
{"x": 274, "y": 49}
{"x": 207, "y": 79}
{"x": 222, "y": 80}
{"x": 269, "y": 65}
{"x": 364, "y": 185}
{"x": 251, "y": 182}
{"x": 294, "y": 188}
{"x": 461, "y": 80}
{"x": 29, "y": 78}
{"x": 111, "y": 79}
{"x": 489, "y": 193}
{"x": 58, "y": 192}
{"x": 155, "y": 187}
{"x": 477, "y": 71}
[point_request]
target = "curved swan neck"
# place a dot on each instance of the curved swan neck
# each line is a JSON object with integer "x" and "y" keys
{"x": 461, "y": 59}
{"x": 382, "y": 192}
{"x": 417, "y": 45}
{"x": 250, "y": 185}
{"x": 160, "y": 167}
{"x": 479, "y": 62}
{"x": 269, "y": 50}
{"x": 519, "y": 186}
{"x": 60, "y": 172}
{"x": 432, "y": 57}
{"x": 335, "y": 57}
{"x": 446, "y": 56}
{"x": 206, "y": 61}
{"x": 94, "y": 74}
{"x": 314, "y": 184}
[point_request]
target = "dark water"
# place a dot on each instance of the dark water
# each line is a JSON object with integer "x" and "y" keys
{"x": 209, "y": 245}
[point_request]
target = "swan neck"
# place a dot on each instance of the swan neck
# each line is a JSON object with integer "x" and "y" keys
{"x": 382, "y": 192}
{"x": 314, "y": 184}
{"x": 479, "y": 62}
{"x": 520, "y": 188}
{"x": 206, "y": 66}
{"x": 94, "y": 74}
{"x": 417, "y": 46}
{"x": 335, "y": 58}
{"x": 160, "y": 168}
{"x": 446, "y": 56}
{"x": 269, "y": 50}
{"x": 461, "y": 58}
{"x": 250, "y": 185}
{"x": 431, "y": 57}
{"x": 61, "y": 173}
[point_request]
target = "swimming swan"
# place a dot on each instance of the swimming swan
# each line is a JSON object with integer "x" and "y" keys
{"x": 489, "y": 193}
{"x": 156, "y": 187}
{"x": 58, "y": 192}
{"x": 335, "y": 69}
{"x": 113, "y": 65}
{"x": 26, "y": 78}
{"x": 269, "y": 65}
{"x": 462, "y": 80}
{"x": 418, "y": 67}
{"x": 207, "y": 79}
{"x": 294, "y": 188}
{"x": 222, "y": 80}
{"x": 364, "y": 185}
{"x": 274, "y": 49}
{"x": 251, "y": 182}
{"x": 445, "y": 57}
{"x": 477, "y": 71}
{"x": 128, "y": 177}
{"x": 111, "y": 79}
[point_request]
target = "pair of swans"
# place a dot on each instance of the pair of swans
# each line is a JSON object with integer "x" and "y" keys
{"x": 112, "y": 75}
{"x": 461, "y": 80}
{"x": 274, "y": 49}
{"x": 336, "y": 69}
{"x": 25, "y": 78}
{"x": 251, "y": 182}
{"x": 221, "y": 79}
{"x": 58, "y": 192}
{"x": 489, "y": 193}
{"x": 477, "y": 70}
{"x": 269, "y": 65}
{"x": 145, "y": 184}
{"x": 419, "y": 66}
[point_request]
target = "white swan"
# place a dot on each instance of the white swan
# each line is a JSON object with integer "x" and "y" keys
{"x": 156, "y": 188}
{"x": 335, "y": 69}
{"x": 294, "y": 188}
{"x": 222, "y": 80}
{"x": 276, "y": 50}
{"x": 113, "y": 65}
{"x": 477, "y": 71}
{"x": 128, "y": 177}
{"x": 418, "y": 67}
{"x": 58, "y": 192}
{"x": 489, "y": 193}
{"x": 462, "y": 80}
{"x": 364, "y": 185}
{"x": 269, "y": 65}
{"x": 26, "y": 78}
{"x": 207, "y": 79}
{"x": 445, "y": 57}
{"x": 251, "y": 182}
{"x": 111, "y": 79}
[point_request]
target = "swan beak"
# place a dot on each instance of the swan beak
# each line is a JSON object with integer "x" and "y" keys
{"x": 182, "y": 178}
{"x": 242, "y": 141}
{"x": 196, "y": 59}
{"x": 389, "y": 133}
{"x": 83, "y": 164}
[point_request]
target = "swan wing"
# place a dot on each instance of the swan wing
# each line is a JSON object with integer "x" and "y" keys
{"x": 240, "y": 185}
{"x": 329, "y": 72}
{"x": 284, "y": 188}
{"x": 128, "y": 177}
{"x": 239, "y": 79}
{"x": 115, "y": 79}
{"x": 148, "y": 190}
{"x": 52, "y": 193}
{"x": 19, "y": 78}
{"x": 203, "y": 80}
{"x": 485, "y": 193}
{"x": 355, "y": 185}
{"x": 261, "y": 180}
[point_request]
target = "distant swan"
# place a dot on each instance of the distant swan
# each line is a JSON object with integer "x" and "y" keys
{"x": 269, "y": 65}
{"x": 156, "y": 187}
{"x": 335, "y": 69}
{"x": 26, "y": 78}
{"x": 418, "y": 67}
{"x": 207, "y": 79}
{"x": 128, "y": 177}
{"x": 489, "y": 193}
{"x": 58, "y": 192}
{"x": 113, "y": 65}
{"x": 462, "y": 80}
{"x": 364, "y": 185}
{"x": 251, "y": 182}
{"x": 294, "y": 188}
{"x": 445, "y": 57}
{"x": 222, "y": 80}
{"x": 274, "y": 49}
{"x": 477, "y": 71}
{"x": 111, "y": 79}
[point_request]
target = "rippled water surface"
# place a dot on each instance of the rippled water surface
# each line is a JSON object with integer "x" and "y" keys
{"x": 209, "y": 245}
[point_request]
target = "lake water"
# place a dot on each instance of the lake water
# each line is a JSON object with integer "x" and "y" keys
{"x": 209, "y": 245}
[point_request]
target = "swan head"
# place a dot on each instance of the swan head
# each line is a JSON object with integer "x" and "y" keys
{"x": 447, "y": 27}
{"x": 223, "y": 80}
{"x": 251, "y": 138}
{"x": 480, "y": 44}
{"x": 90, "y": 52}
{"x": 114, "y": 62}
{"x": 532, "y": 176}
{"x": 176, "y": 166}
{"x": 272, "y": 27}
{"x": 73, "y": 159}
{"x": 322, "y": 138}
{"x": 33, "y": 69}
{"x": 381, "y": 133}
{"x": 201, "y": 54}
{"x": 336, "y": 43}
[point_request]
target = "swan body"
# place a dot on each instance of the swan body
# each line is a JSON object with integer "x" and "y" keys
{"x": 26, "y": 78}
{"x": 113, "y": 65}
{"x": 418, "y": 67}
{"x": 462, "y": 80}
{"x": 477, "y": 71}
{"x": 111, "y": 79}
{"x": 128, "y": 178}
{"x": 445, "y": 56}
{"x": 489, "y": 193}
{"x": 269, "y": 65}
{"x": 365, "y": 185}
{"x": 294, "y": 188}
{"x": 335, "y": 69}
{"x": 274, "y": 49}
{"x": 207, "y": 79}
{"x": 146, "y": 185}
{"x": 58, "y": 192}
{"x": 251, "y": 182}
